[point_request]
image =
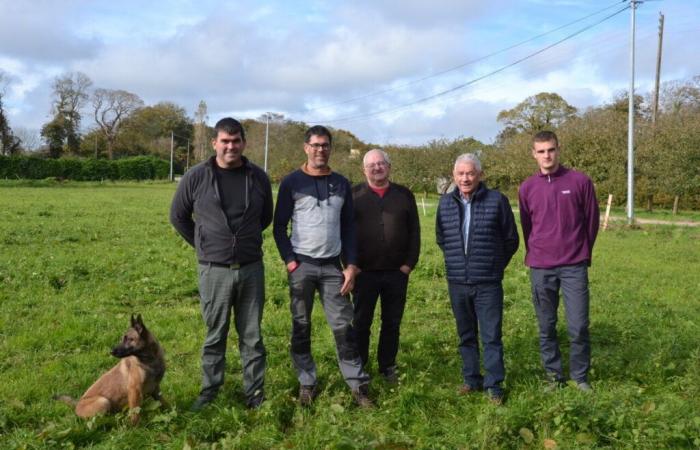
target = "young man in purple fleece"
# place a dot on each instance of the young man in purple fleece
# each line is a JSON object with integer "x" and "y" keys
{"x": 559, "y": 216}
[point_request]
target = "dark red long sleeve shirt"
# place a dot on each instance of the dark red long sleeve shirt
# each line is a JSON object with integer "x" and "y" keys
{"x": 559, "y": 216}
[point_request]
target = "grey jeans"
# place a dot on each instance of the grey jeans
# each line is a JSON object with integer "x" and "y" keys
{"x": 241, "y": 291}
{"x": 303, "y": 284}
{"x": 573, "y": 281}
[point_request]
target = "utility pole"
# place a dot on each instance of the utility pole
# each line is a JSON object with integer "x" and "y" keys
{"x": 172, "y": 149}
{"x": 630, "y": 125}
{"x": 658, "y": 67}
{"x": 267, "y": 135}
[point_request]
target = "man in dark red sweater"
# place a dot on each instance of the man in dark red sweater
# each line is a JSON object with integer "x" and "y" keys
{"x": 388, "y": 243}
{"x": 559, "y": 216}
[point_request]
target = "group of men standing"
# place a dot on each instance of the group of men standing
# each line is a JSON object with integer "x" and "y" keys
{"x": 336, "y": 239}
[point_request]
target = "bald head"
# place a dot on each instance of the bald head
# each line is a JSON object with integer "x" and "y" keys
{"x": 376, "y": 166}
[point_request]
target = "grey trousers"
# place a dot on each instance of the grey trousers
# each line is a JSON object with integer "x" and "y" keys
{"x": 573, "y": 281}
{"x": 241, "y": 291}
{"x": 303, "y": 284}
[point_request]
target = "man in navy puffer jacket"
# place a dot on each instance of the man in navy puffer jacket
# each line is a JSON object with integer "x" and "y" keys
{"x": 476, "y": 231}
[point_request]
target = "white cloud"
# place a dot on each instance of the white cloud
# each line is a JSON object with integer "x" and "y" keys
{"x": 294, "y": 57}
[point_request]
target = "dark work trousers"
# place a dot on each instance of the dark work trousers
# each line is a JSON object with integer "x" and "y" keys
{"x": 327, "y": 279}
{"x": 478, "y": 310}
{"x": 241, "y": 291}
{"x": 573, "y": 281}
{"x": 390, "y": 287}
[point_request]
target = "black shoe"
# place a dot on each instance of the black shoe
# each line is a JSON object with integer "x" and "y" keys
{"x": 361, "y": 396}
{"x": 202, "y": 401}
{"x": 307, "y": 394}
{"x": 391, "y": 375}
{"x": 255, "y": 401}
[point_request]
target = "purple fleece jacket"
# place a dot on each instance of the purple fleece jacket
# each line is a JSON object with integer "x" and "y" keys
{"x": 560, "y": 217}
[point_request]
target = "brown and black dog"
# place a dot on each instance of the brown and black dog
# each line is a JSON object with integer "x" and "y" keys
{"x": 137, "y": 375}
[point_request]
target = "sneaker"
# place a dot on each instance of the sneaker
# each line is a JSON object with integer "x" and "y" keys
{"x": 466, "y": 389}
{"x": 307, "y": 394}
{"x": 361, "y": 396}
{"x": 202, "y": 401}
{"x": 495, "y": 395}
{"x": 584, "y": 386}
{"x": 255, "y": 401}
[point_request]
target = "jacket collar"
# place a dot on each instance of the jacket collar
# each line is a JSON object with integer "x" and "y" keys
{"x": 561, "y": 170}
{"x": 211, "y": 162}
{"x": 369, "y": 188}
{"x": 324, "y": 173}
{"x": 480, "y": 191}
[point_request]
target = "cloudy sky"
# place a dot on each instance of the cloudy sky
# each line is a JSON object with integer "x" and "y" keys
{"x": 391, "y": 71}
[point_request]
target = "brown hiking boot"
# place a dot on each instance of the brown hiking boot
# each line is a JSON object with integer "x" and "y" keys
{"x": 307, "y": 394}
{"x": 465, "y": 389}
{"x": 361, "y": 396}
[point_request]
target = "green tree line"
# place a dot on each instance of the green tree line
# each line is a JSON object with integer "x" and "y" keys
{"x": 117, "y": 124}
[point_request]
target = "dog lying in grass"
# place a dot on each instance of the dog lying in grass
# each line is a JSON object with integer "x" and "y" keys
{"x": 138, "y": 374}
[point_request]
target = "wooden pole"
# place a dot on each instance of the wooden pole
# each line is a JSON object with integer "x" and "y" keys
{"x": 422, "y": 199}
{"x": 607, "y": 213}
{"x": 675, "y": 205}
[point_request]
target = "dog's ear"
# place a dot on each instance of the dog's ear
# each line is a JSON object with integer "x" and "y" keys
{"x": 138, "y": 325}
{"x": 133, "y": 321}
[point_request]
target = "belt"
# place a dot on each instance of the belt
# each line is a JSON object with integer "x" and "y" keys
{"x": 335, "y": 260}
{"x": 233, "y": 266}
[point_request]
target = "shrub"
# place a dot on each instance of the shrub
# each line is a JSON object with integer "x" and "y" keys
{"x": 35, "y": 168}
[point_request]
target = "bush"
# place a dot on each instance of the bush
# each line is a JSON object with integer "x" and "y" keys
{"x": 35, "y": 168}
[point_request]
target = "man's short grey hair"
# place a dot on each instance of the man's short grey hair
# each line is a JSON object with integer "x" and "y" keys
{"x": 384, "y": 154}
{"x": 468, "y": 158}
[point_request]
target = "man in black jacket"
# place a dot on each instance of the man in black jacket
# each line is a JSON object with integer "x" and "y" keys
{"x": 388, "y": 243}
{"x": 476, "y": 231}
{"x": 221, "y": 208}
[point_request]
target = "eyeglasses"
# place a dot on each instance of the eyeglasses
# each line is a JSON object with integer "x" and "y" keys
{"x": 377, "y": 165}
{"x": 316, "y": 146}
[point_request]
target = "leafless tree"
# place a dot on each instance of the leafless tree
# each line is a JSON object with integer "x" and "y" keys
{"x": 71, "y": 93}
{"x": 111, "y": 107}
{"x": 9, "y": 143}
{"x": 30, "y": 138}
{"x": 201, "y": 132}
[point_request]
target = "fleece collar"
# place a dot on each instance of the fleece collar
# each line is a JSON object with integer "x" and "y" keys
{"x": 561, "y": 170}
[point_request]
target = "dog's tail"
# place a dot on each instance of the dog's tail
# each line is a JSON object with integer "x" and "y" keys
{"x": 70, "y": 401}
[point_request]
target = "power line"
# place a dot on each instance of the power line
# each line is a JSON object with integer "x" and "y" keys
{"x": 452, "y": 69}
{"x": 470, "y": 82}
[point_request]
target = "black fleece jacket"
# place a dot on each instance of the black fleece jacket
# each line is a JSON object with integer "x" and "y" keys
{"x": 388, "y": 231}
{"x": 197, "y": 214}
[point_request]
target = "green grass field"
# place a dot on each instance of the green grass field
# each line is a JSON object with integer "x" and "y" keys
{"x": 77, "y": 259}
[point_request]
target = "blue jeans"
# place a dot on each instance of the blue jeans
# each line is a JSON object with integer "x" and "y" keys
{"x": 573, "y": 281}
{"x": 478, "y": 310}
{"x": 241, "y": 291}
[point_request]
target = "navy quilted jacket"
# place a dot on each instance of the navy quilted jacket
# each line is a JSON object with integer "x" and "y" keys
{"x": 493, "y": 236}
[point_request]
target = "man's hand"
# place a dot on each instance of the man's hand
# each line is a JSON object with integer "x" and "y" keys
{"x": 292, "y": 266}
{"x": 405, "y": 269}
{"x": 348, "y": 279}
